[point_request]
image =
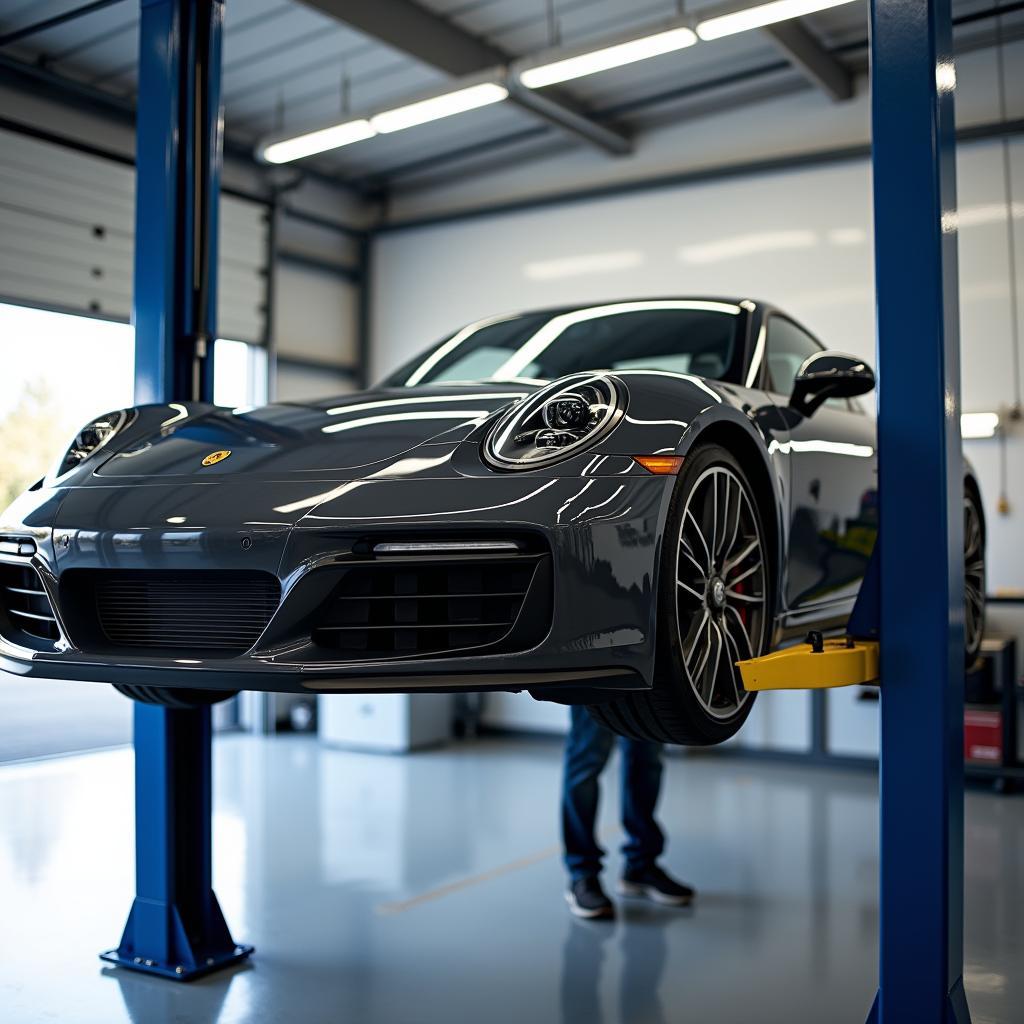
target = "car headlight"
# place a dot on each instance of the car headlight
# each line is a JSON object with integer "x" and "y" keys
{"x": 91, "y": 438}
{"x": 560, "y": 420}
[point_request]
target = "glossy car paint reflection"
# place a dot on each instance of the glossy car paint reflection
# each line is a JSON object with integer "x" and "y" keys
{"x": 306, "y": 488}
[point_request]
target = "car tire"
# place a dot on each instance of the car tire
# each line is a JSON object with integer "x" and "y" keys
{"x": 172, "y": 696}
{"x": 715, "y": 607}
{"x": 974, "y": 575}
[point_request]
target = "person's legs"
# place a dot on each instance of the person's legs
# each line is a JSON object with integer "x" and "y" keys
{"x": 641, "y": 785}
{"x": 586, "y": 753}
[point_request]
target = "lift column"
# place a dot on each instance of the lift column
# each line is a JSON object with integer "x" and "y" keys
{"x": 921, "y": 514}
{"x": 176, "y": 928}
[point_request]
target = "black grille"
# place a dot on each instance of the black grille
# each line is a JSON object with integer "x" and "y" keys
{"x": 388, "y": 610}
{"x": 27, "y": 612}
{"x": 221, "y": 613}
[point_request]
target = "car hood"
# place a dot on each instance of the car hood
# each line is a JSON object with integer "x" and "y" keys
{"x": 278, "y": 440}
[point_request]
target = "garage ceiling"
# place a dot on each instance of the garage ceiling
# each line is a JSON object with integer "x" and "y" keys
{"x": 288, "y": 64}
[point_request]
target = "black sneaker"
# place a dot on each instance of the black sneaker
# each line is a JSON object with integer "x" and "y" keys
{"x": 587, "y": 899}
{"x": 654, "y": 884}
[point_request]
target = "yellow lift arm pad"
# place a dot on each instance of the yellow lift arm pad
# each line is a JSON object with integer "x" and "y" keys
{"x": 841, "y": 662}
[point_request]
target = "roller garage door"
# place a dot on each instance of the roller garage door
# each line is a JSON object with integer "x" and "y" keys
{"x": 67, "y": 239}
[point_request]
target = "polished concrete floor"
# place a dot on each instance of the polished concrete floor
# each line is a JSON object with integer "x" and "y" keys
{"x": 43, "y": 717}
{"x": 386, "y": 890}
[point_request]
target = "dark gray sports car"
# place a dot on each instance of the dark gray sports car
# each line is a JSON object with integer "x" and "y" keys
{"x": 607, "y": 505}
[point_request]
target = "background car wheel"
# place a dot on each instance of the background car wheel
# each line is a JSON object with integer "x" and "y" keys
{"x": 715, "y": 606}
{"x": 174, "y": 697}
{"x": 974, "y": 577}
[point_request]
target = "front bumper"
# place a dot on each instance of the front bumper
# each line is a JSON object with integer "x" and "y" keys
{"x": 603, "y": 533}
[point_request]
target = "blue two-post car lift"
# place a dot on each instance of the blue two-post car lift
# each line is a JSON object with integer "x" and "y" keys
{"x": 176, "y": 928}
{"x": 920, "y": 541}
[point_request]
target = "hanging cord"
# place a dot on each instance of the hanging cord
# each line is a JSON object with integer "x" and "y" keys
{"x": 554, "y": 29}
{"x": 1003, "y": 504}
{"x": 346, "y": 91}
{"x": 1011, "y": 227}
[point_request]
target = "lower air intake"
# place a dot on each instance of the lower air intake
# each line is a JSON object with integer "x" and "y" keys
{"x": 26, "y": 616}
{"x": 181, "y": 612}
{"x": 408, "y": 608}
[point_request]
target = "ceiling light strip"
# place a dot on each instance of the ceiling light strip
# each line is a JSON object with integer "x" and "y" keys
{"x": 281, "y": 149}
{"x": 333, "y": 137}
{"x": 437, "y": 107}
{"x": 615, "y": 56}
{"x": 763, "y": 14}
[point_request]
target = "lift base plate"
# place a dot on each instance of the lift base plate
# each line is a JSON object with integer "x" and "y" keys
{"x": 178, "y": 972}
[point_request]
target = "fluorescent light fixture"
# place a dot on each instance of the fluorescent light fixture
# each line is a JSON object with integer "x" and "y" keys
{"x": 319, "y": 141}
{"x": 763, "y": 14}
{"x": 278, "y": 150}
{"x": 607, "y": 57}
{"x": 436, "y": 107}
{"x": 974, "y": 425}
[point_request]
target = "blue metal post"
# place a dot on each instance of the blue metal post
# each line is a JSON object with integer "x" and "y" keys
{"x": 175, "y": 927}
{"x": 921, "y": 514}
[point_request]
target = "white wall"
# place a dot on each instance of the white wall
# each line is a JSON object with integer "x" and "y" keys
{"x": 781, "y": 236}
{"x": 315, "y": 315}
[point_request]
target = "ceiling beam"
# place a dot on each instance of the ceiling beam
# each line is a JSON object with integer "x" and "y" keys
{"x": 417, "y": 32}
{"x": 567, "y": 115}
{"x": 823, "y": 69}
{"x": 58, "y": 19}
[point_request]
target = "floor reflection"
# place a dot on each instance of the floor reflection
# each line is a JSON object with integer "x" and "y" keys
{"x": 155, "y": 1001}
{"x": 583, "y": 954}
{"x": 429, "y": 889}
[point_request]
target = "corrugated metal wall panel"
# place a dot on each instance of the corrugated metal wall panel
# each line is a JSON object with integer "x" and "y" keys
{"x": 316, "y": 316}
{"x": 67, "y": 237}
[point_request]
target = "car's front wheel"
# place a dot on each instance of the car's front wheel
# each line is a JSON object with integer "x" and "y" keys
{"x": 974, "y": 576}
{"x": 714, "y": 609}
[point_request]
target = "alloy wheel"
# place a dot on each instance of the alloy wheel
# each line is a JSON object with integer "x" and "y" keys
{"x": 721, "y": 589}
{"x": 974, "y": 576}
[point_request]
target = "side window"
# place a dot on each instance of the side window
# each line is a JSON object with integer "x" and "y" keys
{"x": 786, "y": 348}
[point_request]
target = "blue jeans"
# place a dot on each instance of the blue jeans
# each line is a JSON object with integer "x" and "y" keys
{"x": 586, "y": 753}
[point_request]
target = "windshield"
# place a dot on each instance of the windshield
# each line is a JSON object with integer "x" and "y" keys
{"x": 683, "y": 336}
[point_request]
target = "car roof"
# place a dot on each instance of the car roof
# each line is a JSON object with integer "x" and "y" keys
{"x": 746, "y": 301}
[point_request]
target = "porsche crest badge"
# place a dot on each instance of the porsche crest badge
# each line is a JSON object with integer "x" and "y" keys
{"x": 214, "y": 457}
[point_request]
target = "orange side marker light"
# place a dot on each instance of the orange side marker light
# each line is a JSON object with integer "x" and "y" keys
{"x": 663, "y": 465}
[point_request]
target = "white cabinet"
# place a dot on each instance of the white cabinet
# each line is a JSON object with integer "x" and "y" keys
{"x": 385, "y": 722}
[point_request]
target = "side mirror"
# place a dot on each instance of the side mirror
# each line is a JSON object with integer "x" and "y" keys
{"x": 829, "y": 375}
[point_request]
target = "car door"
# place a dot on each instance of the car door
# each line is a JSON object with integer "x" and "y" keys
{"x": 833, "y": 499}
